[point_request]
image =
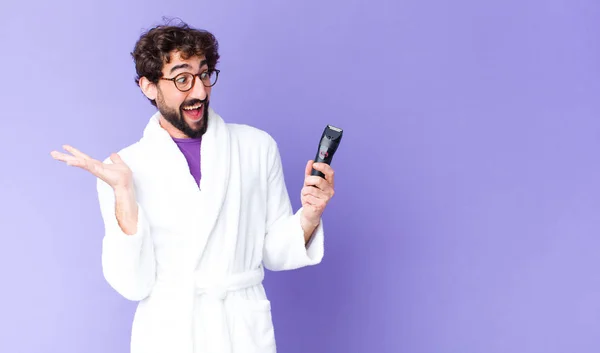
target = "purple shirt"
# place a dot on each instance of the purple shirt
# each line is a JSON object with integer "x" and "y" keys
{"x": 191, "y": 150}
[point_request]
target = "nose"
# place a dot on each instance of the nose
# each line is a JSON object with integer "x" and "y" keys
{"x": 198, "y": 91}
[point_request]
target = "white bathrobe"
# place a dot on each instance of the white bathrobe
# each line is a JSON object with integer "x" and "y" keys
{"x": 197, "y": 260}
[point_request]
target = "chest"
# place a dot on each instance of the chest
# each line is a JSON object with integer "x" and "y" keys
{"x": 168, "y": 190}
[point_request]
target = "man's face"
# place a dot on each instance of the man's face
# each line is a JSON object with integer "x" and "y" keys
{"x": 185, "y": 111}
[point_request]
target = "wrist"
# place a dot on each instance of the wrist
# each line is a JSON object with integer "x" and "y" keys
{"x": 123, "y": 191}
{"x": 309, "y": 225}
{"x": 126, "y": 210}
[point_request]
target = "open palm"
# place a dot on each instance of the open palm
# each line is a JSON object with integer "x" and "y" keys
{"x": 117, "y": 174}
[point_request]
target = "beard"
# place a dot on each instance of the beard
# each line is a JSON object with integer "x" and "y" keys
{"x": 175, "y": 116}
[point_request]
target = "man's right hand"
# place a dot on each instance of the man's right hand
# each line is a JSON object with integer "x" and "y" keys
{"x": 117, "y": 175}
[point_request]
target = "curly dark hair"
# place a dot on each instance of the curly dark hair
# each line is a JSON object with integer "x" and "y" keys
{"x": 154, "y": 48}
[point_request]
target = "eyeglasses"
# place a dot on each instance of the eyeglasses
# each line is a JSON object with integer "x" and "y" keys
{"x": 185, "y": 81}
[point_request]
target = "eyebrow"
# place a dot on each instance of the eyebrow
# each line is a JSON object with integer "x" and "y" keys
{"x": 186, "y": 66}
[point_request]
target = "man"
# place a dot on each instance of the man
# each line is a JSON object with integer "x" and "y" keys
{"x": 197, "y": 208}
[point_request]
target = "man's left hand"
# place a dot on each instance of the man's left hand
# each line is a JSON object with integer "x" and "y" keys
{"x": 315, "y": 195}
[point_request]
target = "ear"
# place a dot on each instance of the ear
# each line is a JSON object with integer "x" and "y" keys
{"x": 149, "y": 88}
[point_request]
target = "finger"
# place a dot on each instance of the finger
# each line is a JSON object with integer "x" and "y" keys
{"x": 63, "y": 157}
{"x": 325, "y": 169}
{"x": 69, "y": 160}
{"x": 310, "y": 199}
{"x": 77, "y": 162}
{"x": 76, "y": 152}
{"x": 323, "y": 195}
{"x": 322, "y": 167}
{"x": 316, "y": 181}
{"x": 306, "y": 193}
{"x": 315, "y": 203}
{"x": 56, "y": 155}
{"x": 316, "y": 192}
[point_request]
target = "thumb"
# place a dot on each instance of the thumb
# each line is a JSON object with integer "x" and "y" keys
{"x": 116, "y": 158}
{"x": 308, "y": 168}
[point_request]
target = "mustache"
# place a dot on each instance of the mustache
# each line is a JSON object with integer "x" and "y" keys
{"x": 193, "y": 102}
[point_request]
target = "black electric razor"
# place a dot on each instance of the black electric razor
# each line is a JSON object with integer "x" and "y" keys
{"x": 330, "y": 140}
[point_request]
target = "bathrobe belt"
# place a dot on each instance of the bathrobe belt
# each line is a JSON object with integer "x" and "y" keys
{"x": 213, "y": 309}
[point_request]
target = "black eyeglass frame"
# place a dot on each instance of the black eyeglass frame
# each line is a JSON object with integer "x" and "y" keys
{"x": 174, "y": 79}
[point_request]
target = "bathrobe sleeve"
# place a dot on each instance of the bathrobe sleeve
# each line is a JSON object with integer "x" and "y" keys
{"x": 284, "y": 247}
{"x": 128, "y": 261}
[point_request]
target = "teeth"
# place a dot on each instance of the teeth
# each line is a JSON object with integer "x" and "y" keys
{"x": 197, "y": 106}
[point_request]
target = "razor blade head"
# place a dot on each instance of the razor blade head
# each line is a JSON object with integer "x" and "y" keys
{"x": 332, "y": 134}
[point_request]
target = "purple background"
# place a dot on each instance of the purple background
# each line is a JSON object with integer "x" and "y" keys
{"x": 467, "y": 213}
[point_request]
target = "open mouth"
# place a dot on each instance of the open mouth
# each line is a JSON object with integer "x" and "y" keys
{"x": 194, "y": 112}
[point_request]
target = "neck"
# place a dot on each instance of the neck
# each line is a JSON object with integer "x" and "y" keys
{"x": 172, "y": 130}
